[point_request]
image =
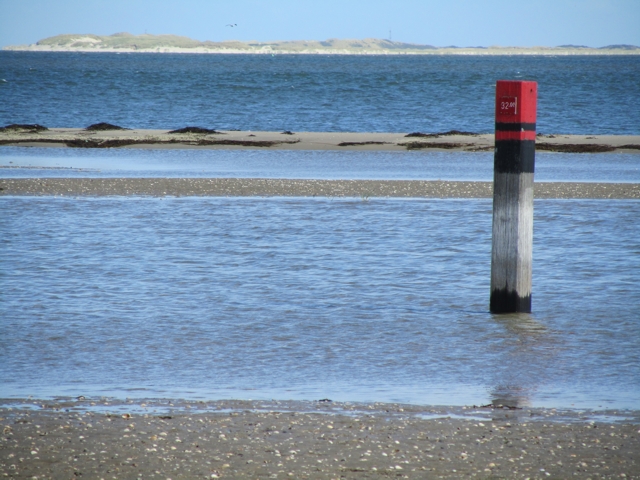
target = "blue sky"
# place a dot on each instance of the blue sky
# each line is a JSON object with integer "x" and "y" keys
{"x": 444, "y": 22}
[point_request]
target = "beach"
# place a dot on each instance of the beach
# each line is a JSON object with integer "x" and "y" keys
{"x": 71, "y": 438}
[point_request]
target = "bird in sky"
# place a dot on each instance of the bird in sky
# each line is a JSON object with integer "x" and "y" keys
{"x": 232, "y": 25}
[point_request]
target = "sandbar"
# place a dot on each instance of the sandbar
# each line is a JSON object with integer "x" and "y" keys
{"x": 282, "y": 187}
{"x": 288, "y": 140}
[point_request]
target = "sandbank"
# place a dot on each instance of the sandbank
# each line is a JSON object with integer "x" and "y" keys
{"x": 99, "y": 438}
{"x": 287, "y": 140}
{"x": 281, "y": 187}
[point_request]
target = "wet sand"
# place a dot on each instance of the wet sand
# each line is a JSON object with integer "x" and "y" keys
{"x": 248, "y": 439}
{"x": 453, "y": 140}
{"x": 239, "y": 187}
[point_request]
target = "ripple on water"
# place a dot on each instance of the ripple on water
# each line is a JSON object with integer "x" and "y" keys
{"x": 384, "y": 300}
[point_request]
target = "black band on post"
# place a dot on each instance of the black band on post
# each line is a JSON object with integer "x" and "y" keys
{"x": 503, "y": 301}
{"x": 515, "y": 127}
{"x": 515, "y": 156}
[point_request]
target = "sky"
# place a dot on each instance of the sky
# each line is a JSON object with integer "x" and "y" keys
{"x": 593, "y": 23}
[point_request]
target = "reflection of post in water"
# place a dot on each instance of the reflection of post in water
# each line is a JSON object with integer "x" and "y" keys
{"x": 522, "y": 324}
{"x": 510, "y": 396}
{"x": 516, "y": 383}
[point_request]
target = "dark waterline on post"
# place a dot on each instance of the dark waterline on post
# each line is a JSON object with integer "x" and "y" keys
{"x": 504, "y": 301}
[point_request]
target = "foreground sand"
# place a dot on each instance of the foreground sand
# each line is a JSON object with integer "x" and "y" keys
{"x": 239, "y": 187}
{"x": 81, "y": 138}
{"x": 245, "y": 439}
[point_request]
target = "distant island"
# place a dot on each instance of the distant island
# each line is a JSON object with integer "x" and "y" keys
{"x": 128, "y": 43}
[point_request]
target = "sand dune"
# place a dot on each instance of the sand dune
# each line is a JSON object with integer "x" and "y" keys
{"x": 125, "y": 42}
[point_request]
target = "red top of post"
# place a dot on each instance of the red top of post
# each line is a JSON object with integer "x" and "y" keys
{"x": 516, "y": 105}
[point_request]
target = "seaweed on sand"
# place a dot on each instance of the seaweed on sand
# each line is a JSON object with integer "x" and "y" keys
{"x": 244, "y": 143}
{"x": 349, "y": 144}
{"x": 19, "y": 127}
{"x": 194, "y": 130}
{"x": 421, "y": 145}
{"x": 102, "y": 126}
{"x": 574, "y": 148}
{"x": 442, "y": 134}
{"x": 83, "y": 143}
{"x": 115, "y": 143}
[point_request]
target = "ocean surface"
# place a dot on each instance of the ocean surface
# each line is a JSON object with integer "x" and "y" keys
{"x": 577, "y": 95}
{"x": 300, "y": 298}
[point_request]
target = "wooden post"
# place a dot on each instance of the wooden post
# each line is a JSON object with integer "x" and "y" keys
{"x": 514, "y": 161}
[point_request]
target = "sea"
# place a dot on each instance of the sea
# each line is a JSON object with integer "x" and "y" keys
{"x": 349, "y": 299}
{"x": 321, "y": 93}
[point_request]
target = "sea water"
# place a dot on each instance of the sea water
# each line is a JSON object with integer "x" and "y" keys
{"x": 405, "y": 93}
{"x": 378, "y": 300}
{"x": 20, "y": 162}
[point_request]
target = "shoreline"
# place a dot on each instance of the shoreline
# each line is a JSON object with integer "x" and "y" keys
{"x": 124, "y": 42}
{"x": 102, "y": 438}
{"x": 278, "y": 187}
{"x": 38, "y": 136}
{"x": 234, "y": 48}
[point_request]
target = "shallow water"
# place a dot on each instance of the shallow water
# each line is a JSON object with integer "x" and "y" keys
{"x": 62, "y": 162}
{"x": 382, "y": 300}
